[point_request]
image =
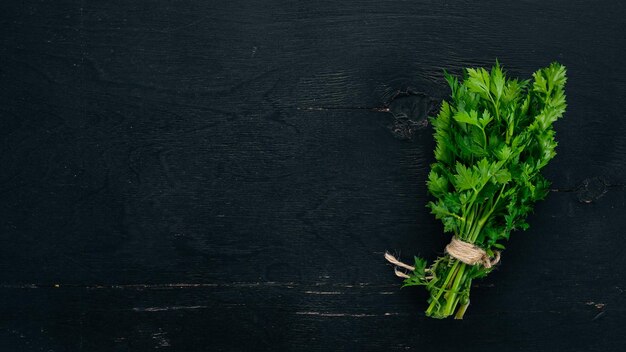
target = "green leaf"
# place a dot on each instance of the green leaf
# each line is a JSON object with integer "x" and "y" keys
{"x": 450, "y": 224}
{"x": 504, "y": 152}
{"x": 510, "y": 221}
{"x": 478, "y": 81}
{"x": 464, "y": 178}
{"x": 540, "y": 85}
{"x": 441, "y": 211}
{"x": 497, "y": 81}
{"x": 483, "y": 170}
{"x": 418, "y": 276}
{"x": 470, "y": 118}
{"x": 555, "y": 75}
{"x": 437, "y": 185}
{"x": 452, "y": 202}
{"x": 420, "y": 266}
{"x": 464, "y": 197}
{"x": 485, "y": 119}
{"x": 502, "y": 176}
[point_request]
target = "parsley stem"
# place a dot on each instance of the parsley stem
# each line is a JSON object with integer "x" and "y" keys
{"x": 483, "y": 220}
{"x": 461, "y": 312}
{"x": 452, "y": 299}
{"x": 435, "y": 301}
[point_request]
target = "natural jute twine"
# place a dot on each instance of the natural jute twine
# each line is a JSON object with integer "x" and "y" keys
{"x": 465, "y": 252}
{"x": 393, "y": 260}
{"x": 471, "y": 254}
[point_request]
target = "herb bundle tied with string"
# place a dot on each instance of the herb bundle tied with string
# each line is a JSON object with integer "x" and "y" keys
{"x": 492, "y": 139}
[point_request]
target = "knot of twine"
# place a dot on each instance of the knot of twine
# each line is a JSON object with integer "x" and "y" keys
{"x": 463, "y": 251}
{"x": 471, "y": 254}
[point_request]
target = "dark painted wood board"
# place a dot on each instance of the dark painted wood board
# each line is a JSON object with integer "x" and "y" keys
{"x": 195, "y": 176}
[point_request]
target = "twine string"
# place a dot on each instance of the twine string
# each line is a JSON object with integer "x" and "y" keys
{"x": 465, "y": 252}
{"x": 399, "y": 273}
{"x": 471, "y": 254}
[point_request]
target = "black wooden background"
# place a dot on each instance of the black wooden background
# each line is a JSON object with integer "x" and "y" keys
{"x": 226, "y": 175}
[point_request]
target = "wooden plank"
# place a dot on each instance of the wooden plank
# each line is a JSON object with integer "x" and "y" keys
{"x": 227, "y": 176}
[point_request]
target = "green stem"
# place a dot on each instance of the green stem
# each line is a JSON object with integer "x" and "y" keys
{"x": 461, "y": 312}
{"x": 484, "y": 138}
{"x": 452, "y": 299}
{"x": 435, "y": 301}
{"x": 496, "y": 106}
{"x": 483, "y": 219}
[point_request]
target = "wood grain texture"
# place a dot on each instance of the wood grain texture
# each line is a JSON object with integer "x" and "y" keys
{"x": 194, "y": 176}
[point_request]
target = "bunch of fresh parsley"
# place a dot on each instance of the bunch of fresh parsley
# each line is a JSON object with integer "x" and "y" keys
{"x": 493, "y": 138}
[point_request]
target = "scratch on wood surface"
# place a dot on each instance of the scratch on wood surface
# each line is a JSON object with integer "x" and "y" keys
{"x": 161, "y": 339}
{"x": 351, "y": 315}
{"x": 165, "y": 309}
{"x": 152, "y": 286}
{"x": 322, "y": 314}
{"x": 313, "y": 288}
{"x": 597, "y": 305}
{"x": 330, "y": 108}
{"x": 591, "y": 189}
{"x": 167, "y": 286}
{"x": 598, "y": 316}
